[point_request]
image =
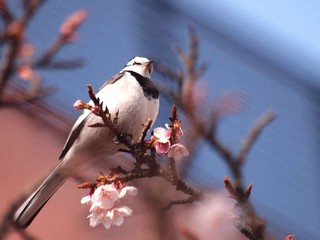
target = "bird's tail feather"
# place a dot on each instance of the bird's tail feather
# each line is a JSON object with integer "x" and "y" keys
{"x": 32, "y": 206}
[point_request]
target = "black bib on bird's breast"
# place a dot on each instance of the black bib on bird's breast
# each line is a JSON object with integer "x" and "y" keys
{"x": 149, "y": 88}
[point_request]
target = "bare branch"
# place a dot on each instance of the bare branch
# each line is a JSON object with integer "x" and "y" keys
{"x": 60, "y": 64}
{"x": 146, "y": 128}
{"x": 184, "y": 97}
{"x": 5, "y": 12}
{"x": 228, "y": 185}
{"x": 12, "y": 52}
{"x": 252, "y": 136}
{"x": 139, "y": 152}
{"x": 179, "y": 202}
{"x": 14, "y": 33}
{"x": 248, "y": 190}
{"x": 67, "y": 31}
{"x": 168, "y": 92}
{"x": 173, "y": 75}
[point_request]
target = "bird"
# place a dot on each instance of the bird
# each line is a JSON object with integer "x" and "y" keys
{"x": 134, "y": 96}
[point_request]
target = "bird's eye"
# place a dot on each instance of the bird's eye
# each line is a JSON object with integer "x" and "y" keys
{"x": 137, "y": 63}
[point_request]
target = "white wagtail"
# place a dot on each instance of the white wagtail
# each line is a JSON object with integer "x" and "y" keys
{"x": 132, "y": 93}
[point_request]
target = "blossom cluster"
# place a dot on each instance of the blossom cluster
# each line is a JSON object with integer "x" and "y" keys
{"x": 102, "y": 198}
{"x": 166, "y": 141}
{"x": 102, "y": 201}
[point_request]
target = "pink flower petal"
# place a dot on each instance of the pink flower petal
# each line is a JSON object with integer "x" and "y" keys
{"x": 117, "y": 215}
{"x": 86, "y": 199}
{"x": 105, "y": 196}
{"x": 162, "y": 148}
{"x": 79, "y": 104}
{"x": 178, "y": 151}
{"x": 161, "y": 133}
{"x": 132, "y": 191}
{"x": 96, "y": 217}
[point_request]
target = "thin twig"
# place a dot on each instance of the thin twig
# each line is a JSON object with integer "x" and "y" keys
{"x": 15, "y": 32}
{"x": 171, "y": 74}
{"x": 58, "y": 64}
{"x": 139, "y": 152}
{"x": 184, "y": 97}
{"x": 104, "y": 114}
{"x": 179, "y": 202}
{"x": 252, "y": 136}
{"x": 173, "y": 170}
{"x": 6, "y": 13}
{"x": 168, "y": 92}
{"x": 146, "y": 128}
{"x": 8, "y": 69}
{"x": 68, "y": 28}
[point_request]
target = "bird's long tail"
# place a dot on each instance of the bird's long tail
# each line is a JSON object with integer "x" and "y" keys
{"x": 32, "y": 206}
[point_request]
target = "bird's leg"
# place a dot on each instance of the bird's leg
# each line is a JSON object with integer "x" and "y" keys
{"x": 124, "y": 138}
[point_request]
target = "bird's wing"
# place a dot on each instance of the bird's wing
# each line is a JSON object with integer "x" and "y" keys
{"x": 73, "y": 135}
{"x": 80, "y": 123}
{"x": 113, "y": 79}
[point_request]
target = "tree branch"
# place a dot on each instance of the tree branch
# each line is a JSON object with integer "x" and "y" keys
{"x": 140, "y": 152}
{"x": 252, "y": 136}
{"x": 184, "y": 97}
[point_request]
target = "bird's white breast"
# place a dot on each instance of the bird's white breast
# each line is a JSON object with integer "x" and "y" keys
{"x": 126, "y": 96}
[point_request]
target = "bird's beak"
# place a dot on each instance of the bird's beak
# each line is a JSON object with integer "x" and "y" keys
{"x": 150, "y": 66}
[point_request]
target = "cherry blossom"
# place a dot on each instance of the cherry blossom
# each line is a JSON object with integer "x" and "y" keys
{"x": 162, "y": 143}
{"x": 162, "y": 133}
{"x": 97, "y": 216}
{"x": 210, "y": 218}
{"x": 178, "y": 151}
{"x": 162, "y": 147}
{"x": 103, "y": 199}
{"x": 105, "y": 196}
{"x": 132, "y": 191}
{"x": 116, "y": 216}
{"x": 86, "y": 199}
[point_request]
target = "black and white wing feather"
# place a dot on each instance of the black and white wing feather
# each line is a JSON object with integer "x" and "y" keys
{"x": 81, "y": 122}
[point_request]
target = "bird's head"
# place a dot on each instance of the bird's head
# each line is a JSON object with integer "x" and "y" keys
{"x": 140, "y": 65}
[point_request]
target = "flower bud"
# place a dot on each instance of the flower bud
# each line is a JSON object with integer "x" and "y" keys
{"x": 79, "y": 104}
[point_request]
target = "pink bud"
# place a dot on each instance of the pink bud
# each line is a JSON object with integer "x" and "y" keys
{"x": 79, "y": 104}
{"x": 26, "y": 50}
{"x": 95, "y": 110}
{"x": 72, "y": 22}
{"x": 26, "y": 72}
